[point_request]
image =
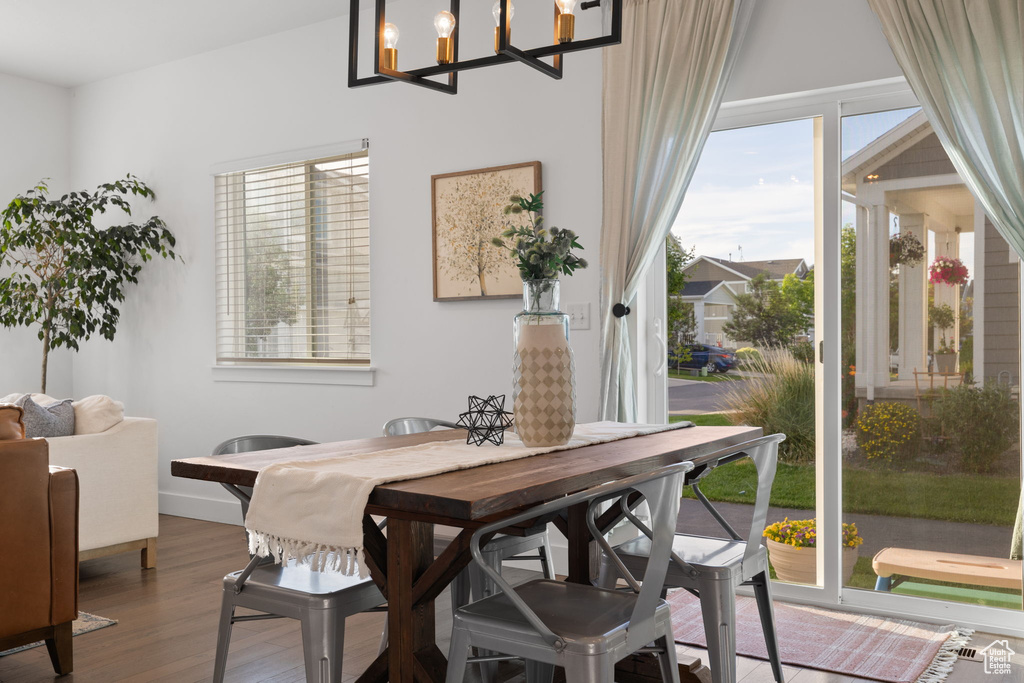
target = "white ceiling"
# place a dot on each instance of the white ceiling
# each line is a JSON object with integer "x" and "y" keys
{"x": 72, "y": 42}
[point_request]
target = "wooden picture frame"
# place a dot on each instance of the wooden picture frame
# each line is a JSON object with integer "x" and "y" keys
{"x": 467, "y": 210}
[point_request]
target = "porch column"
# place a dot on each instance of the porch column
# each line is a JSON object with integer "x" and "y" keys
{"x": 698, "y": 315}
{"x": 872, "y": 298}
{"x": 948, "y": 244}
{"x": 913, "y": 303}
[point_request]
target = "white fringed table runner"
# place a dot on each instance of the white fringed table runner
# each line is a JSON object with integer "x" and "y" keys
{"x": 312, "y": 511}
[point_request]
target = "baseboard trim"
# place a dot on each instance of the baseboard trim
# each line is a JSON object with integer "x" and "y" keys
{"x": 198, "y": 507}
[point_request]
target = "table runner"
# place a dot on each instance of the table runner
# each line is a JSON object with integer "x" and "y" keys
{"x": 312, "y": 511}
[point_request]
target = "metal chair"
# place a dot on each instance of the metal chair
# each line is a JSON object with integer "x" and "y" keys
{"x": 582, "y": 628}
{"x": 712, "y": 568}
{"x": 320, "y": 600}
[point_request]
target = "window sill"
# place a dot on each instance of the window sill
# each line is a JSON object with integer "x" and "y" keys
{"x": 352, "y": 376}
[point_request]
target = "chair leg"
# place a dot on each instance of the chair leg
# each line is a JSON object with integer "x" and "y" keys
{"x": 667, "y": 661}
{"x": 227, "y": 613}
{"x": 607, "y": 574}
{"x": 458, "y": 653}
{"x": 539, "y": 672}
{"x": 718, "y": 608}
{"x": 62, "y": 655}
{"x": 383, "y": 638}
{"x": 546, "y": 562}
{"x": 461, "y": 589}
{"x": 592, "y": 669}
{"x": 323, "y": 645}
{"x": 762, "y": 584}
{"x": 482, "y": 587}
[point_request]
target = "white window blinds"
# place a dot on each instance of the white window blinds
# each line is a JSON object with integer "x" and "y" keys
{"x": 293, "y": 262}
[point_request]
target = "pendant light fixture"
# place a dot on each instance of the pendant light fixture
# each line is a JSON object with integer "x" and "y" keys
{"x": 446, "y": 22}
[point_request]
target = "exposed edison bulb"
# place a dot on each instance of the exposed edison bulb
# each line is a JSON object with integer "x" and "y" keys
{"x": 566, "y": 6}
{"x": 496, "y": 11}
{"x": 390, "y": 36}
{"x": 444, "y": 22}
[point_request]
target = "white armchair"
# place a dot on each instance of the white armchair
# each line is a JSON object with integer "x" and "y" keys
{"x": 117, "y": 472}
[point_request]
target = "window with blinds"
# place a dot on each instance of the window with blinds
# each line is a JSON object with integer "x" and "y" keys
{"x": 293, "y": 263}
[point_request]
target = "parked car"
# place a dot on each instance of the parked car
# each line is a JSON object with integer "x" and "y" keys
{"x": 713, "y": 358}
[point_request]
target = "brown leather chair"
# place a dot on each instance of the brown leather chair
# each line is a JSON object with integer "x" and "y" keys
{"x": 39, "y": 537}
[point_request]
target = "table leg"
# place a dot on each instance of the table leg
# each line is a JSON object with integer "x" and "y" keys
{"x": 411, "y": 626}
{"x": 579, "y": 544}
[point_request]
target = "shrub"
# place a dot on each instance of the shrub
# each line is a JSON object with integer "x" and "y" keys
{"x": 780, "y": 401}
{"x": 803, "y": 533}
{"x": 747, "y": 354}
{"x": 887, "y": 430}
{"x": 981, "y": 423}
{"x": 803, "y": 351}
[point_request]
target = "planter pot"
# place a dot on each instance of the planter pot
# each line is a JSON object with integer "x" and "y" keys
{"x": 945, "y": 362}
{"x": 800, "y": 565}
{"x": 544, "y": 391}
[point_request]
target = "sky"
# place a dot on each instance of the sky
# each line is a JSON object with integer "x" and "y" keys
{"x": 752, "y": 195}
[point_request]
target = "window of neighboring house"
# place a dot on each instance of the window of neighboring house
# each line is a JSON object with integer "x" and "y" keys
{"x": 716, "y": 311}
{"x": 293, "y": 262}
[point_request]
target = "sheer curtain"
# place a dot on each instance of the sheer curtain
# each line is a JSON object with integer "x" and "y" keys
{"x": 964, "y": 60}
{"x": 662, "y": 88}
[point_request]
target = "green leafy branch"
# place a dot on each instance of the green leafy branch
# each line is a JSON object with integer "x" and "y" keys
{"x": 540, "y": 253}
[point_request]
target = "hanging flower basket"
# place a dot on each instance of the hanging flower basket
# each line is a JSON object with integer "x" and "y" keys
{"x": 904, "y": 248}
{"x": 947, "y": 271}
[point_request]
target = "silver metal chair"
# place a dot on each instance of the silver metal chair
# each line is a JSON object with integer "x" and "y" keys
{"x": 583, "y": 628}
{"x": 320, "y": 600}
{"x": 712, "y": 568}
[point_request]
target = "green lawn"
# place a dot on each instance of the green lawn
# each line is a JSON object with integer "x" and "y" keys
{"x": 977, "y": 499}
{"x": 709, "y": 420}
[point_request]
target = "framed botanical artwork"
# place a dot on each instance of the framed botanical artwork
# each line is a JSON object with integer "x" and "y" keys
{"x": 469, "y": 211}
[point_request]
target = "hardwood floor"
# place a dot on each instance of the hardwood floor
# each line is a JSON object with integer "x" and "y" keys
{"x": 168, "y": 624}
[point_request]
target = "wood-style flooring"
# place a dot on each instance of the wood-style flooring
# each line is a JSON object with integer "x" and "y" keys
{"x": 168, "y": 624}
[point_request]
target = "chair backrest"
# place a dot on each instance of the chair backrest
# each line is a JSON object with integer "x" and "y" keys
{"x": 414, "y": 425}
{"x": 661, "y": 488}
{"x": 258, "y": 442}
{"x": 764, "y": 451}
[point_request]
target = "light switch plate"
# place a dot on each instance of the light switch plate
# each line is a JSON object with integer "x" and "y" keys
{"x": 579, "y": 316}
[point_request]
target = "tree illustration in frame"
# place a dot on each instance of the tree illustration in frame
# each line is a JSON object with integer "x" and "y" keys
{"x": 468, "y": 209}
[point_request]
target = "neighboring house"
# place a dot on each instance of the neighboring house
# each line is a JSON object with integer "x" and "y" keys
{"x": 713, "y": 284}
{"x": 906, "y": 173}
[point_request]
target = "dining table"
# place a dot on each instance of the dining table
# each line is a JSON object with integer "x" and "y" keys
{"x": 403, "y": 562}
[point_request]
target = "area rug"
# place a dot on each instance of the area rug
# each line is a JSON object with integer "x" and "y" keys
{"x": 83, "y": 624}
{"x": 870, "y": 647}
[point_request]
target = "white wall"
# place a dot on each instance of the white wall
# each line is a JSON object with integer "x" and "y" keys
{"x": 171, "y": 123}
{"x": 35, "y": 127}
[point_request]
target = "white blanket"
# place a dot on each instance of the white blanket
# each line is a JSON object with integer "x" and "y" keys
{"x": 313, "y": 511}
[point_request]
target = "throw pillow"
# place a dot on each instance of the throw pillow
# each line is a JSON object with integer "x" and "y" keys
{"x": 53, "y": 420}
{"x": 11, "y": 426}
{"x": 95, "y": 414}
{"x": 11, "y": 398}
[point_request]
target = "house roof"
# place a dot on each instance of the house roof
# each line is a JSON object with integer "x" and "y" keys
{"x": 890, "y": 144}
{"x": 700, "y": 288}
{"x": 773, "y": 268}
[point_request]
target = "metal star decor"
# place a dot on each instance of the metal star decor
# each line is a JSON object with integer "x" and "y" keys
{"x": 486, "y": 420}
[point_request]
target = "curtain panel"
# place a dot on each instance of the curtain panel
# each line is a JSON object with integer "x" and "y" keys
{"x": 662, "y": 88}
{"x": 964, "y": 59}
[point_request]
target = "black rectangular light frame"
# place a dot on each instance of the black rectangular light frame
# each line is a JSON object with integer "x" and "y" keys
{"x": 506, "y": 51}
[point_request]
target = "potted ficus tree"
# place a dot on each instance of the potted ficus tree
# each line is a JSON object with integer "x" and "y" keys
{"x": 944, "y": 318}
{"x": 64, "y": 273}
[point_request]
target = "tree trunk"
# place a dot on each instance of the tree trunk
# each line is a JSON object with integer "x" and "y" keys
{"x": 483, "y": 283}
{"x": 46, "y": 353}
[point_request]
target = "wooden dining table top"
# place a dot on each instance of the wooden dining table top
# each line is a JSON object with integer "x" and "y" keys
{"x": 479, "y": 493}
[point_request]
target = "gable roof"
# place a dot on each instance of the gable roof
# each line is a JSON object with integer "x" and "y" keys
{"x": 700, "y": 288}
{"x": 890, "y": 144}
{"x": 773, "y": 268}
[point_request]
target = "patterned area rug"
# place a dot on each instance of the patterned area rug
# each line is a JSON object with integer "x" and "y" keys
{"x": 870, "y": 647}
{"x": 83, "y": 624}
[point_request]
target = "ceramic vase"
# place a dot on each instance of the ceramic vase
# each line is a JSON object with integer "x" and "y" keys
{"x": 544, "y": 391}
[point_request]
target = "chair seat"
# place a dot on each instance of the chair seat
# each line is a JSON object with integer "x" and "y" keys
{"x": 715, "y": 556}
{"x": 591, "y": 620}
{"x": 297, "y": 585}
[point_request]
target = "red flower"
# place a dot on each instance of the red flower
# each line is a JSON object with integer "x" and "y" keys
{"x": 947, "y": 271}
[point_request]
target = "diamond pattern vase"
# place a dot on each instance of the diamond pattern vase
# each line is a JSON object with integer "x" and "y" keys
{"x": 544, "y": 391}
